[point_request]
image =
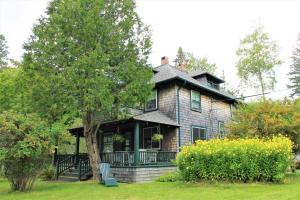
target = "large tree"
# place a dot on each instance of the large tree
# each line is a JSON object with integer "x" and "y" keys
{"x": 90, "y": 57}
{"x": 3, "y": 51}
{"x": 257, "y": 57}
{"x": 295, "y": 71}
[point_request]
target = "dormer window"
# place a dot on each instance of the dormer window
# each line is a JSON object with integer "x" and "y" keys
{"x": 152, "y": 101}
{"x": 213, "y": 84}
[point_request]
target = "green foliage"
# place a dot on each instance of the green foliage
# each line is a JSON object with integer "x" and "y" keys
{"x": 192, "y": 63}
{"x": 48, "y": 173}
{"x": 236, "y": 160}
{"x": 200, "y": 64}
{"x": 3, "y": 52}
{"x": 88, "y": 59}
{"x": 10, "y": 97}
{"x": 170, "y": 177}
{"x": 266, "y": 119}
{"x": 25, "y": 146}
{"x": 257, "y": 57}
{"x": 295, "y": 71}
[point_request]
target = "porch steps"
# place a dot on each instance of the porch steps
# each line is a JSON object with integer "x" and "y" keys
{"x": 71, "y": 175}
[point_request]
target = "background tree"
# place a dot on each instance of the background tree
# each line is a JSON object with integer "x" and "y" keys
{"x": 295, "y": 71}
{"x": 25, "y": 146}
{"x": 92, "y": 56}
{"x": 266, "y": 119}
{"x": 180, "y": 58}
{"x": 3, "y": 52}
{"x": 191, "y": 63}
{"x": 9, "y": 91}
{"x": 257, "y": 57}
{"x": 200, "y": 64}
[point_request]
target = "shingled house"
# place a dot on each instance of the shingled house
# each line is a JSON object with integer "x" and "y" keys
{"x": 184, "y": 107}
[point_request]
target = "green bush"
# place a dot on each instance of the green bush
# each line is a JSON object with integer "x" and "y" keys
{"x": 236, "y": 160}
{"x": 48, "y": 174}
{"x": 170, "y": 177}
{"x": 25, "y": 146}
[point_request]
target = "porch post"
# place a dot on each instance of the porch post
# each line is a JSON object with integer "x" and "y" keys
{"x": 136, "y": 143}
{"x": 77, "y": 149}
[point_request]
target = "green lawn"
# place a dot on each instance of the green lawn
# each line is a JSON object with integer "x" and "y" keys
{"x": 155, "y": 190}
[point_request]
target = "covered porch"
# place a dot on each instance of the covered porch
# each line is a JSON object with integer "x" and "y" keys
{"x": 148, "y": 139}
{"x": 138, "y": 149}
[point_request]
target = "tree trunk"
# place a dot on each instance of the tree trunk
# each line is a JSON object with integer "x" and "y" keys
{"x": 90, "y": 134}
{"x": 262, "y": 85}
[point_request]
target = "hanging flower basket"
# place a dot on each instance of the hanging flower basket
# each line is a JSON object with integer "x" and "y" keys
{"x": 118, "y": 138}
{"x": 157, "y": 137}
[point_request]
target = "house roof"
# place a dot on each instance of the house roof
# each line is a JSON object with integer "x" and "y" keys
{"x": 167, "y": 72}
{"x": 156, "y": 117}
{"x": 199, "y": 73}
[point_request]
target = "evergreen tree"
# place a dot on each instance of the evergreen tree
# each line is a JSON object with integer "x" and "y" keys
{"x": 89, "y": 57}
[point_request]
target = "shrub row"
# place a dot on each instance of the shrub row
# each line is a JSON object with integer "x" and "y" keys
{"x": 236, "y": 160}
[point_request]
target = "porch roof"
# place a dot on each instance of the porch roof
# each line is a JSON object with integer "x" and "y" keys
{"x": 152, "y": 116}
{"x": 156, "y": 117}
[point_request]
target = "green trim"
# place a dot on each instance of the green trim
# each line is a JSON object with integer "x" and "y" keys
{"x": 194, "y": 109}
{"x": 136, "y": 143}
{"x": 200, "y": 127}
{"x": 178, "y": 118}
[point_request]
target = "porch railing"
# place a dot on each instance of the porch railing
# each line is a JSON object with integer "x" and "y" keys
{"x": 84, "y": 167}
{"x": 65, "y": 164}
{"x": 126, "y": 158}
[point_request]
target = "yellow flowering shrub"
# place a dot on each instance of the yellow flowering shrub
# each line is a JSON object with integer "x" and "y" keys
{"x": 236, "y": 160}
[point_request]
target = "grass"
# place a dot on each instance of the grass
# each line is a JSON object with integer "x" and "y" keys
{"x": 290, "y": 189}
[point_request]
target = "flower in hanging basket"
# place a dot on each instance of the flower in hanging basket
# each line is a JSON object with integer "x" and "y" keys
{"x": 157, "y": 137}
{"x": 118, "y": 138}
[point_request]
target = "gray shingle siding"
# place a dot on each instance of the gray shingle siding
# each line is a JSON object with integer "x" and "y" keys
{"x": 211, "y": 112}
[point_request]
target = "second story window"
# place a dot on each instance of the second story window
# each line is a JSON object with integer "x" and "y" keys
{"x": 152, "y": 101}
{"x": 195, "y": 100}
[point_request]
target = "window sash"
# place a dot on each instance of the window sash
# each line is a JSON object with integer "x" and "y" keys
{"x": 221, "y": 129}
{"x": 198, "y": 133}
{"x": 152, "y": 101}
{"x": 148, "y": 143}
{"x": 195, "y": 100}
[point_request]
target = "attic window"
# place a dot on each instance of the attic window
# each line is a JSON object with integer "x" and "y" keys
{"x": 152, "y": 101}
{"x": 195, "y": 101}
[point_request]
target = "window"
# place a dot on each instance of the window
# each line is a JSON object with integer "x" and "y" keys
{"x": 221, "y": 129}
{"x": 195, "y": 101}
{"x": 198, "y": 133}
{"x": 152, "y": 102}
{"x": 107, "y": 142}
{"x": 148, "y": 143}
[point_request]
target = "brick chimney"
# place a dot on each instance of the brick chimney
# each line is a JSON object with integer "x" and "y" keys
{"x": 164, "y": 60}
